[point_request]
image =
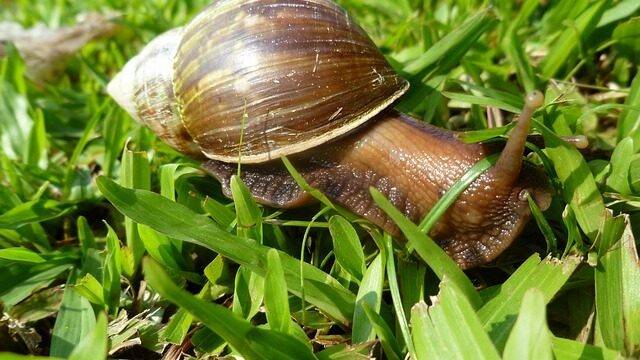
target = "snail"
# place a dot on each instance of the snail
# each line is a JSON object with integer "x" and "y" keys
{"x": 254, "y": 80}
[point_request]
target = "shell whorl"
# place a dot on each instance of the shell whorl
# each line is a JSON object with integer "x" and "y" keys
{"x": 254, "y": 80}
{"x": 144, "y": 88}
{"x": 266, "y": 78}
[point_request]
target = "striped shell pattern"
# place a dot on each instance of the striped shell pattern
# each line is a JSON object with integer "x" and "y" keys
{"x": 250, "y": 81}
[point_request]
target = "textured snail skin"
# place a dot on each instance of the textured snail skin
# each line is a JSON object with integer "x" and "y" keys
{"x": 413, "y": 164}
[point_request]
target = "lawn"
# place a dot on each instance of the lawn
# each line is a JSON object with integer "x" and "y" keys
{"x": 114, "y": 245}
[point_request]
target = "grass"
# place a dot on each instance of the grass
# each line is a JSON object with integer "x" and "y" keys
{"x": 112, "y": 244}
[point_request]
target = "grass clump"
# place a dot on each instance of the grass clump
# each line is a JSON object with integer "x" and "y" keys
{"x": 112, "y": 244}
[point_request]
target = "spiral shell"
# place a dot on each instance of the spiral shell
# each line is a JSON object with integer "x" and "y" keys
{"x": 255, "y": 80}
{"x": 144, "y": 89}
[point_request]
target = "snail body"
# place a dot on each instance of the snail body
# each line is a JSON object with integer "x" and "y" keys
{"x": 250, "y": 81}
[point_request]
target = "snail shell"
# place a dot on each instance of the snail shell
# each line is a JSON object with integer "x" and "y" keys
{"x": 143, "y": 88}
{"x": 254, "y": 80}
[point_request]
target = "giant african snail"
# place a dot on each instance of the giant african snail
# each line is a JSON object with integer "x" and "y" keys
{"x": 250, "y": 81}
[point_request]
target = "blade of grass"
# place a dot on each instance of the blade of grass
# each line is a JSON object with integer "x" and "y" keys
{"x": 370, "y": 294}
{"x": 346, "y": 246}
{"x": 530, "y": 337}
{"x": 276, "y": 299}
{"x": 251, "y": 342}
{"x": 74, "y": 322}
{"x": 392, "y": 349}
{"x": 135, "y": 174}
{"x": 456, "y": 189}
{"x": 33, "y": 212}
{"x": 112, "y": 272}
{"x": 429, "y": 251}
{"x": 567, "y": 349}
{"x": 450, "y": 328}
{"x": 621, "y": 158}
{"x": 392, "y": 278}
{"x": 177, "y": 221}
{"x": 617, "y": 283}
{"x": 579, "y": 187}
{"x": 498, "y": 314}
{"x": 94, "y": 344}
{"x": 566, "y": 45}
{"x": 452, "y": 46}
{"x": 543, "y": 225}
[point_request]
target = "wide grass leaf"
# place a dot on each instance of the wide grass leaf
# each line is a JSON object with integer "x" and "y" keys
{"x": 530, "y": 337}
{"x": 498, "y": 315}
{"x": 94, "y": 344}
{"x": 567, "y": 349}
{"x": 621, "y": 158}
{"x": 33, "y": 212}
{"x": 276, "y": 299}
{"x": 20, "y": 254}
{"x": 112, "y": 271}
{"x": 74, "y": 322}
{"x": 248, "y": 293}
{"x": 251, "y": 342}
{"x": 135, "y": 174}
{"x": 346, "y": 246}
{"x": 450, "y": 328}
{"x": 179, "y": 222}
{"x": 578, "y": 184}
{"x": 617, "y": 282}
{"x": 369, "y": 294}
{"x": 451, "y": 47}
{"x": 19, "y": 281}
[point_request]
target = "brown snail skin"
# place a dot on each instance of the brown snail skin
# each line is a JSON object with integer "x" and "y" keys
{"x": 251, "y": 81}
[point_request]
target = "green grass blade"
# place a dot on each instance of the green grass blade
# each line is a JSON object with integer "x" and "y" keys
{"x": 451, "y": 47}
{"x": 621, "y": 158}
{"x": 619, "y": 11}
{"x": 94, "y": 344}
{"x": 579, "y": 187}
{"x": 482, "y": 101}
{"x": 629, "y": 121}
{"x": 369, "y": 294}
{"x": 453, "y": 330}
{"x": 530, "y": 337}
{"x": 392, "y": 278}
{"x": 177, "y": 221}
{"x": 543, "y": 224}
{"x": 33, "y": 212}
{"x": 112, "y": 272}
{"x": 567, "y": 349}
{"x": 428, "y": 250}
{"x": 37, "y": 147}
{"x": 617, "y": 283}
{"x": 276, "y": 299}
{"x": 248, "y": 212}
{"x": 91, "y": 289}
{"x": 20, "y": 254}
{"x": 248, "y": 293}
{"x": 251, "y": 342}
{"x": 392, "y": 349}
{"x": 498, "y": 314}
{"x": 566, "y": 45}
{"x": 135, "y": 175}
{"x": 224, "y": 216}
{"x": 74, "y": 322}
{"x": 346, "y": 246}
